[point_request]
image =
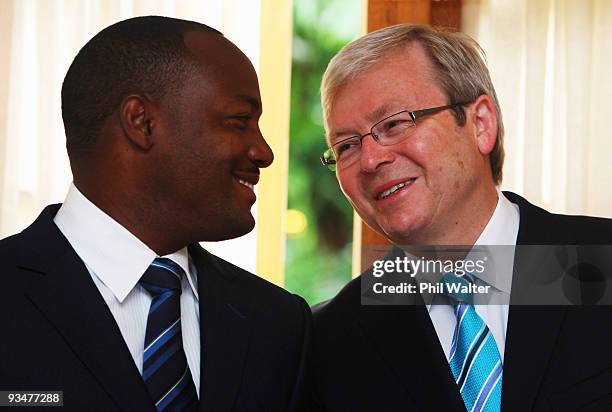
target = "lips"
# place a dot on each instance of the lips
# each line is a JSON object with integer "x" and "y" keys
{"x": 247, "y": 184}
{"x": 393, "y": 187}
{"x": 247, "y": 179}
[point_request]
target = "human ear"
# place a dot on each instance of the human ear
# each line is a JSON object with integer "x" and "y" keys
{"x": 136, "y": 116}
{"x": 484, "y": 119}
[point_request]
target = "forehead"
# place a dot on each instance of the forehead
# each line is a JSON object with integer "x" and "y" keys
{"x": 223, "y": 69}
{"x": 403, "y": 80}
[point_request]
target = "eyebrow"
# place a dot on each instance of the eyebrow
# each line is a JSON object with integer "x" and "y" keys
{"x": 345, "y": 133}
{"x": 374, "y": 116}
{"x": 379, "y": 113}
{"x": 253, "y": 102}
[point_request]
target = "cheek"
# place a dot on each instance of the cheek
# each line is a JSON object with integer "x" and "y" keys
{"x": 440, "y": 158}
{"x": 421, "y": 146}
{"x": 349, "y": 186}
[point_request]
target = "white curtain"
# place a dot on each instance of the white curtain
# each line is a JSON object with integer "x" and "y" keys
{"x": 38, "y": 41}
{"x": 550, "y": 62}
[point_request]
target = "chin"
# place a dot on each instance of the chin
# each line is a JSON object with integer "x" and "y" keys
{"x": 237, "y": 227}
{"x": 246, "y": 227}
{"x": 401, "y": 231}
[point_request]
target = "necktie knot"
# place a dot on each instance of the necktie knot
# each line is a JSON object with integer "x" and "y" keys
{"x": 163, "y": 275}
{"x": 458, "y": 288}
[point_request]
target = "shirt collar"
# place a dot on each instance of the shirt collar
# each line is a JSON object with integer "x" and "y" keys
{"x": 110, "y": 251}
{"x": 502, "y": 229}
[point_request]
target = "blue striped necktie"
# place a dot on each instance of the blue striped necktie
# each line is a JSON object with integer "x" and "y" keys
{"x": 474, "y": 361}
{"x": 165, "y": 370}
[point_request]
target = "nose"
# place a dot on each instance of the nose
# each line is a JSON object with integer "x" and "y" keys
{"x": 260, "y": 152}
{"x": 373, "y": 155}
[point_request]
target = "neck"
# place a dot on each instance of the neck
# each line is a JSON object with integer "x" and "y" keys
{"x": 142, "y": 221}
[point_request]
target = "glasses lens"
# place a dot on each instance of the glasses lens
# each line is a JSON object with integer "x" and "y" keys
{"x": 329, "y": 159}
{"x": 393, "y": 129}
{"x": 347, "y": 150}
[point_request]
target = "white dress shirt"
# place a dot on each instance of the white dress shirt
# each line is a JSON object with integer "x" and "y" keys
{"x": 116, "y": 260}
{"x": 502, "y": 229}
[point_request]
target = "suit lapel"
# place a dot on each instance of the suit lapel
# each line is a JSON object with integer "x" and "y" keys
{"x": 532, "y": 330}
{"x": 67, "y": 297}
{"x": 226, "y": 319}
{"x": 405, "y": 339}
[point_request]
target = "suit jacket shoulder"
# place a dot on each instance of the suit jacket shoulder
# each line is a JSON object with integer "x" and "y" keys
{"x": 539, "y": 226}
{"x": 263, "y": 291}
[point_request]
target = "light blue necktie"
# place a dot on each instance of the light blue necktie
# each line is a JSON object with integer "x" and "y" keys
{"x": 474, "y": 359}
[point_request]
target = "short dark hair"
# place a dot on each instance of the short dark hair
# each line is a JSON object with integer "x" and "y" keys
{"x": 139, "y": 55}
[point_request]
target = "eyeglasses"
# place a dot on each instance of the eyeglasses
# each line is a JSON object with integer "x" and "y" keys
{"x": 389, "y": 131}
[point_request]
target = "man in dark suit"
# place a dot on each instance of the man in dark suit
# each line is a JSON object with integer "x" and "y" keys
{"x": 108, "y": 297}
{"x": 415, "y": 137}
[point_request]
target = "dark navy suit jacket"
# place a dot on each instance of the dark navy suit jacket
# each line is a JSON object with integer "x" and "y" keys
{"x": 388, "y": 358}
{"x": 58, "y": 333}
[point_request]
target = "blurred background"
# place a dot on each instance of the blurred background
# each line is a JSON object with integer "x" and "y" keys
{"x": 319, "y": 218}
{"x": 549, "y": 60}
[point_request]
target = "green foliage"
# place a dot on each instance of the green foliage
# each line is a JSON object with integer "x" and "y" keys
{"x": 319, "y": 260}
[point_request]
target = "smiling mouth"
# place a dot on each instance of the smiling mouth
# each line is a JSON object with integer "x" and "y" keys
{"x": 395, "y": 189}
{"x": 247, "y": 184}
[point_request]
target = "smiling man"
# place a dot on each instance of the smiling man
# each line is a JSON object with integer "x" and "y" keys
{"x": 109, "y": 298}
{"x": 415, "y": 135}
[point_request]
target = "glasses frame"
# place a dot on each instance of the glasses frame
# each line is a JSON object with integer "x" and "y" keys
{"x": 328, "y": 157}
